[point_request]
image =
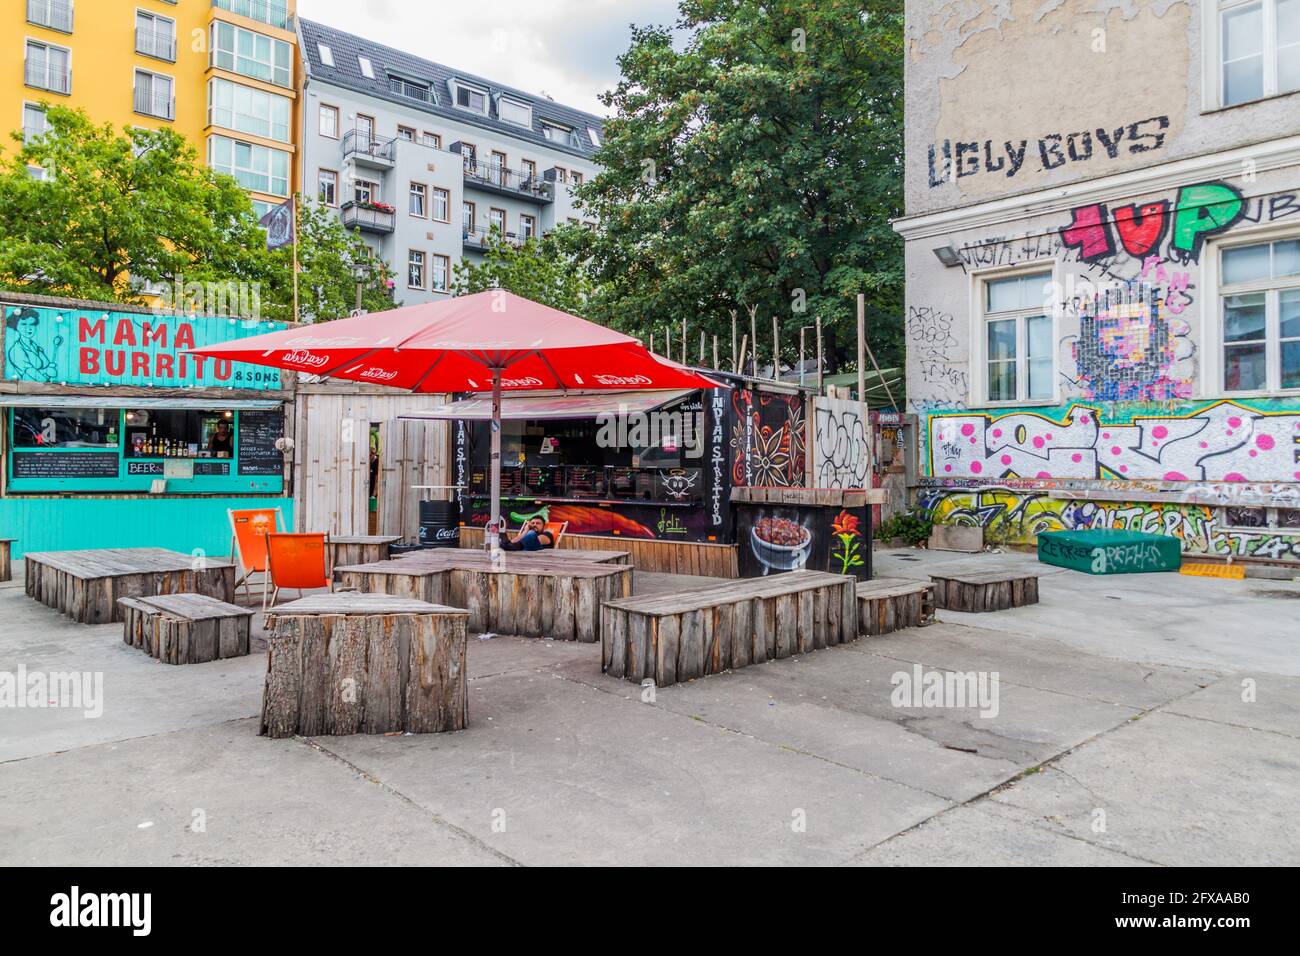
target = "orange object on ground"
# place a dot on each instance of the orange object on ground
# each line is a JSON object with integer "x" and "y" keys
{"x": 298, "y": 561}
{"x": 248, "y": 531}
{"x": 1211, "y": 569}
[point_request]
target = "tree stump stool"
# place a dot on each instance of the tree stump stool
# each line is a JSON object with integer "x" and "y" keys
{"x": 990, "y": 589}
{"x": 677, "y": 637}
{"x": 185, "y": 628}
{"x": 364, "y": 663}
{"x": 890, "y": 604}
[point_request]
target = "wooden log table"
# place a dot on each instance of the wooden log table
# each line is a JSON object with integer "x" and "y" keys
{"x": 984, "y": 589}
{"x": 6, "y": 567}
{"x": 548, "y": 554}
{"x": 361, "y": 548}
{"x": 86, "y": 585}
{"x": 890, "y": 604}
{"x": 521, "y": 594}
{"x": 364, "y": 663}
{"x": 676, "y": 637}
{"x": 185, "y": 628}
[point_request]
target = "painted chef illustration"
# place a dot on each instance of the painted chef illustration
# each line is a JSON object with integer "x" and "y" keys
{"x": 25, "y": 357}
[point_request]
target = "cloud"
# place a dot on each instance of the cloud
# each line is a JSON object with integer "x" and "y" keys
{"x": 565, "y": 48}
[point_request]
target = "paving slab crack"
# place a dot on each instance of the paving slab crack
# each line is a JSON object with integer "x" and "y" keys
{"x": 438, "y": 819}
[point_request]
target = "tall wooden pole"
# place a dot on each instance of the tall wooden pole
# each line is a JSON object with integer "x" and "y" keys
{"x": 803, "y": 329}
{"x": 776, "y": 351}
{"x": 735, "y": 356}
{"x": 683, "y": 340}
{"x": 862, "y": 362}
{"x": 753, "y": 337}
{"x": 715, "y": 351}
{"x": 668, "y": 340}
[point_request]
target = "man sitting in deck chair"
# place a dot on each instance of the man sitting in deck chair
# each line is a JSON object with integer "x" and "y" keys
{"x": 533, "y": 536}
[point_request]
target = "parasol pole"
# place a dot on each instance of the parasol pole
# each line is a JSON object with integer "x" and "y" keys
{"x": 492, "y": 539}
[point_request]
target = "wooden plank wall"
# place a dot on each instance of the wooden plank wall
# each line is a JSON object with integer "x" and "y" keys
{"x": 677, "y": 557}
{"x": 332, "y": 458}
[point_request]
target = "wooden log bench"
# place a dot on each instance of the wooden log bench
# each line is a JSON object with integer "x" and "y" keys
{"x": 6, "y": 566}
{"x": 361, "y": 548}
{"x": 87, "y": 585}
{"x": 984, "y": 589}
{"x": 459, "y": 557}
{"x": 522, "y": 594}
{"x": 185, "y": 628}
{"x": 364, "y": 664}
{"x": 890, "y": 604}
{"x": 676, "y": 637}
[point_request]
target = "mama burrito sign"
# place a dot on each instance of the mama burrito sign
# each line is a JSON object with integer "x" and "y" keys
{"x": 71, "y": 347}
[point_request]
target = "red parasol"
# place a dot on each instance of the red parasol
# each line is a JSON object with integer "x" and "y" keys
{"x": 490, "y": 341}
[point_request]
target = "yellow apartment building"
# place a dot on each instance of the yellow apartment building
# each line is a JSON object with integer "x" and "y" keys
{"x": 222, "y": 73}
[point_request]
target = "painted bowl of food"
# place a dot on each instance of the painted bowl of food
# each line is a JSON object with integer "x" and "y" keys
{"x": 780, "y": 543}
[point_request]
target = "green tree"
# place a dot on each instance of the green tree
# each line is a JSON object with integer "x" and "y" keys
{"x": 544, "y": 270}
{"x": 91, "y": 212}
{"x": 758, "y": 165}
{"x": 329, "y": 261}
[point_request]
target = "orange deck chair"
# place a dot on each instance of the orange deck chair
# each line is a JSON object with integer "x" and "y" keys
{"x": 248, "y": 531}
{"x": 298, "y": 561}
{"x": 556, "y": 529}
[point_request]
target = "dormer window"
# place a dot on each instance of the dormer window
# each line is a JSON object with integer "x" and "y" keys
{"x": 513, "y": 111}
{"x": 469, "y": 98}
{"x": 594, "y": 137}
{"x": 557, "y": 133}
{"x": 367, "y": 70}
{"x": 326, "y": 55}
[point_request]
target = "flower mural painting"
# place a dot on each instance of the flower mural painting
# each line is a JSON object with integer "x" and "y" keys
{"x": 847, "y": 552}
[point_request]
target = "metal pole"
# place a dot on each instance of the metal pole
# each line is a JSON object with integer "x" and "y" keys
{"x": 802, "y": 335}
{"x": 683, "y": 340}
{"x": 492, "y": 538}
{"x": 776, "y": 351}
{"x": 715, "y": 351}
{"x": 819, "y": 355}
{"x": 753, "y": 339}
{"x": 735, "y": 356}
{"x": 701, "y": 346}
{"x": 862, "y": 361}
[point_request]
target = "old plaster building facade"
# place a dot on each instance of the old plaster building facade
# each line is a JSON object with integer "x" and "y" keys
{"x": 1103, "y": 267}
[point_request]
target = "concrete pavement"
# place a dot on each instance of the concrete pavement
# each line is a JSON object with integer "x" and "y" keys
{"x": 1140, "y": 720}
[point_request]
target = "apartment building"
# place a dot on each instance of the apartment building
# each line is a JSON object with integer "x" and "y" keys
{"x": 221, "y": 73}
{"x": 424, "y": 160}
{"x": 1103, "y": 268}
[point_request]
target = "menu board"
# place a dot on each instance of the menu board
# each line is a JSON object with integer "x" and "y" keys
{"x": 134, "y": 468}
{"x": 585, "y": 482}
{"x": 541, "y": 481}
{"x": 258, "y": 433}
{"x": 211, "y": 467}
{"x": 64, "y": 464}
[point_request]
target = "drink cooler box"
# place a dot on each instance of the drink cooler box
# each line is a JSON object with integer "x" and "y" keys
{"x": 1110, "y": 551}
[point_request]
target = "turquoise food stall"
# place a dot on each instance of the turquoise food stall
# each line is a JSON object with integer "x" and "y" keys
{"x": 114, "y": 436}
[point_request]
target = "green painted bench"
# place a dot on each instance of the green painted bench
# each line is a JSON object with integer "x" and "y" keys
{"x": 1110, "y": 551}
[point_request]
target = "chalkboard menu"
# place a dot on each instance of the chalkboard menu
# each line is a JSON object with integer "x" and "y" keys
{"x": 541, "y": 481}
{"x": 585, "y": 482}
{"x": 258, "y": 433}
{"x": 65, "y": 464}
{"x": 211, "y": 467}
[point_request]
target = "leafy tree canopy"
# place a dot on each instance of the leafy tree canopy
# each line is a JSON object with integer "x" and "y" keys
{"x": 757, "y": 165}
{"x": 544, "y": 270}
{"x": 114, "y": 209}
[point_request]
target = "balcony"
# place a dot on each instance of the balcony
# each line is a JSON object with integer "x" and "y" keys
{"x": 367, "y": 150}
{"x": 412, "y": 91}
{"x": 42, "y": 77}
{"x": 478, "y": 239}
{"x": 52, "y": 14}
{"x": 271, "y": 12}
{"x": 155, "y": 104}
{"x": 368, "y": 217}
{"x": 506, "y": 182}
{"x": 160, "y": 46}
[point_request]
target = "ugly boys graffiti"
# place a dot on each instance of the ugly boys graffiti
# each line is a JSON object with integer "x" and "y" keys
{"x": 1223, "y": 441}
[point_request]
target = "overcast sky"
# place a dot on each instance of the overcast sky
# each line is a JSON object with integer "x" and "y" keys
{"x": 565, "y": 48}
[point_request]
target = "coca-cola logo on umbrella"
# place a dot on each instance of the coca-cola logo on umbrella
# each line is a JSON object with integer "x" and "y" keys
{"x": 529, "y": 382}
{"x": 379, "y": 374}
{"x": 623, "y": 379}
{"x": 305, "y": 359}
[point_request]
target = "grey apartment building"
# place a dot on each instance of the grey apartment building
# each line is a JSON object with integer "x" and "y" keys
{"x": 1103, "y": 268}
{"x": 424, "y": 160}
